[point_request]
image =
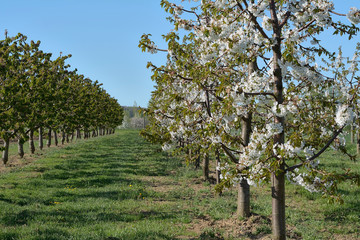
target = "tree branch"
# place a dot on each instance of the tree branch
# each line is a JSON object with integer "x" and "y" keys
{"x": 336, "y": 134}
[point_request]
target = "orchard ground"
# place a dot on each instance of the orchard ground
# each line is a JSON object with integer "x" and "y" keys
{"x": 121, "y": 187}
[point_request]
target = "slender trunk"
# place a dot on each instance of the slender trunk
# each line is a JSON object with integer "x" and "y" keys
{"x": 67, "y": 138}
{"x": 49, "y": 138}
{"x": 97, "y": 132}
{"x": 5, "y": 156}
{"x": 278, "y": 204}
{"x": 31, "y": 142}
{"x": 41, "y": 143}
{"x": 63, "y": 137}
{"x": 197, "y": 160}
{"x": 21, "y": 147}
{"x": 218, "y": 173}
{"x": 72, "y": 136}
{"x": 56, "y": 141}
{"x": 352, "y": 134}
{"x": 243, "y": 202}
{"x": 78, "y": 134}
{"x": 278, "y": 175}
{"x": 206, "y": 167}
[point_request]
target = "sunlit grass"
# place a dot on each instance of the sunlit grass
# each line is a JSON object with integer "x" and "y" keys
{"x": 121, "y": 187}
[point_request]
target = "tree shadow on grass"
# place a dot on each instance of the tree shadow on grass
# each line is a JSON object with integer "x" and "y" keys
{"x": 344, "y": 213}
{"x": 85, "y": 217}
{"x": 102, "y": 174}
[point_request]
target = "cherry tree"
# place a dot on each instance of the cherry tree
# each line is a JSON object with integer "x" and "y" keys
{"x": 301, "y": 97}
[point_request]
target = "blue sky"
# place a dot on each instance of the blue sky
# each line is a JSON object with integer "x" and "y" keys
{"x": 102, "y": 37}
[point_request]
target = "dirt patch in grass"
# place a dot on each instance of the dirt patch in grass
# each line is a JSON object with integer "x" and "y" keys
{"x": 15, "y": 162}
{"x": 255, "y": 227}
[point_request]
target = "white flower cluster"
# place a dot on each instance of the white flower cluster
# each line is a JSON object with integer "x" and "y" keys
{"x": 208, "y": 107}
{"x": 299, "y": 179}
{"x": 152, "y": 48}
{"x": 344, "y": 115}
{"x": 354, "y": 15}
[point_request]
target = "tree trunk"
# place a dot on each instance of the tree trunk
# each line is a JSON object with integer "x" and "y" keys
{"x": 63, "y": 137}
{"x": 72, "y": 136}
{"x": 278, "y": 205}
{"x": 78, "y": 134}
{"x": 49, "y": 138}
{"x": 243, "y": 202}
{"x": 197, "y": 160}
{"x": 206, "y": 167}
{"x": 55, "y": 138}
{"x": 67, "y": 138}
{"x": 21, "y": 147}
{"x": 352, "y": 134}
{"x": 278, "y": 174}
{"x": 41, "y": 143}
{"x": 31, "y": 142}
{"x": 217, "y": 153}
{"x": 5, "y": 156}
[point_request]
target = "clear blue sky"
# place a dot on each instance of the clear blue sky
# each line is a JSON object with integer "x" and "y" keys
{"x": 102, "y": 36}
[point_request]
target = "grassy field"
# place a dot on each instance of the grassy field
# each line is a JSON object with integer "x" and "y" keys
{"x": 121, "y": 187}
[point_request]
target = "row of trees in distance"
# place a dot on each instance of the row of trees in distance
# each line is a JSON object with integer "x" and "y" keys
{"x": 39, "y": 92}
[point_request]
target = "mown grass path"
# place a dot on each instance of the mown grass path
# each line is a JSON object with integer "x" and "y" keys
{"x": 90, "y": 190}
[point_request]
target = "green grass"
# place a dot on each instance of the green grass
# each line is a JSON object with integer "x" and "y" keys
{"x": 121, "y": 187}
{"x": 89, "y": 190}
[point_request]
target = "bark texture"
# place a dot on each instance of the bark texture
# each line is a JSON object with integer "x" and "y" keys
{"x": 217, "y": 153}
{"x": 41, "y": 140}
{"x": 78, "y": 134}
{"x": 278, "y": 175}
{"x": 56, "y": 141}
{"x": 21, "y": 147}
{"x": 197, "y": 160}
{"x": 206, "y": 167}
{"x": 31, "y": 142}
{"x": 63, "y": 137}
{"x": 278, "y": 205}
{"x": 49, "y": 138}
{"x": 5, "y": 156}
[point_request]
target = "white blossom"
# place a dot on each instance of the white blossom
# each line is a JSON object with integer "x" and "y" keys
{"x": 344, "y": 115}
{"x": 354, "y": 15}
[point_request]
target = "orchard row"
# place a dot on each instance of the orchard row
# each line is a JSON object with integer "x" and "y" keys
{"x": 39, "y": 92}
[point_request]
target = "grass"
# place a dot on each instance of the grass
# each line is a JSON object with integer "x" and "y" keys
{"x": 121, "y": 187}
